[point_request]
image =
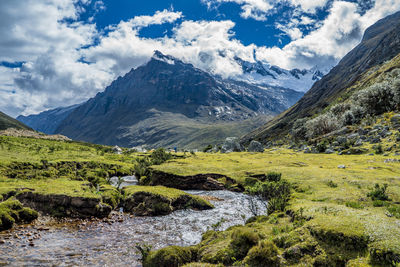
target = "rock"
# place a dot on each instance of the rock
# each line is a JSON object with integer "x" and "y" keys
{"x": 353, "y": 136}
{"x": 375, "y": 140}
{"x": 255, "y": 147}
{"x": 391, "y": 161}
{"x": 2, "y": 241}
{"x": 335, "y": 143}
{"x": 341, "y": 140}
{"x": 117, "y": 150}
{"x": 231, "y": 144}
{"x": 395, "y": 120}
{"x": 329, "y": 151}
{"x": 362, "y": 131}
{"x": 358, "y": 142}
{"x": 342, "y": 166}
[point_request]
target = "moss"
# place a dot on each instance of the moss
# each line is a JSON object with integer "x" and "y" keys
{"x": 173, "y": 256}
{"x": 243, "y": 239}
{"x": 265, "y": 254}
{"x": 12, "y": 211}
{"x": 160, "y": 200}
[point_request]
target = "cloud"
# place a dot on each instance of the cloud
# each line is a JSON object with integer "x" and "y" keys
{"x": 67, "y": 60}
{"x": 340, "y": 32}
{"x": 255, "y": 9}
{"x": 160, "y": 17}
{"x": 309, "y": 6}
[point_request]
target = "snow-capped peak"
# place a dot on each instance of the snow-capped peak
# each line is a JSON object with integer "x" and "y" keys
{"x": 263, "y": 73}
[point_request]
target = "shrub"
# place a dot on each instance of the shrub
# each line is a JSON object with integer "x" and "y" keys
{"x": 160, "y": 156}
{"x": 265, "y": 254}
{"x": 379, "y": 193}
{"x": 299, "y": 130}
{"x": 376, "y": 99}
{"x": 340, "y": 108}
{"x": 353, "y": 116}
{"x": 395, "y": 211}
{"x": 378, "y": 149}
{"x": 321, "y": 125}
{"x": 273, "y": 176}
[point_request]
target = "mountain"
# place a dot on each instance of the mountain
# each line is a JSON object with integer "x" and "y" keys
{"x": 167, "y": 102}
{"x": 47, "y": 121}
{"x": 264, "y": 73}
{"x": 8, "y": 122}
{"x": 381, "y": 43}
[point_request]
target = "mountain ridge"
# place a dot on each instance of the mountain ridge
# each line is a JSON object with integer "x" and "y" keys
{"x": 381, "y": 42}
{"x": 124, "y": 114}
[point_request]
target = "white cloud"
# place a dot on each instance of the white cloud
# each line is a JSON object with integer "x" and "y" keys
{"x": 341, "y": 31}
{"x": 160, "y": 17}
{"x": 64, "y": 65}
{"x": 309, "y": 6}
{"x": 255, "y": 9}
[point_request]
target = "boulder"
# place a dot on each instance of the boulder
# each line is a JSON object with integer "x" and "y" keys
{"x": 342, "y": 166}
{"x": 231, "y": 144}
{"x": 329, "y": 151}
{"x": 255, "y": 147}
{"x": 358, "y": 142}
{"x": 395, "y": 120}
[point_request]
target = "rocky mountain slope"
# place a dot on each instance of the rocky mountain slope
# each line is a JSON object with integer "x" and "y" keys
{"x": 381, "y": 43}
{"x": 168, "y": 102}
{"x": 8, "y": 122}
{"x": 47, "y": 121}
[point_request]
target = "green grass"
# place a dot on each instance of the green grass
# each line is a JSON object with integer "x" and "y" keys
{"x": 336, "y": 200}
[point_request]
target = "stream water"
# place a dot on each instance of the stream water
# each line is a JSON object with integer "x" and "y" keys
{"x": 111, "y": 242}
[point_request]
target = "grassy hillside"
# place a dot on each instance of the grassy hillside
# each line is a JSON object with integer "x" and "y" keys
{"x": 332, "y": 219}
{"x": 8, "y": 122}
{"x": 381, "y": 43}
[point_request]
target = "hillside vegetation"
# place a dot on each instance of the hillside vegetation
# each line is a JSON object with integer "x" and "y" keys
{"x": 342, "y": 210}
{"x": 8, "y": 122}
{"x": 373, "y": 58}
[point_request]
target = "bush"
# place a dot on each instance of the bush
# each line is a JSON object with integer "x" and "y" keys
{"x": 376, "y": 99}
{"x": 379, "y": 193}
{"x": 340, "y": 108}
{"x": 160, "y": 156}
{"x": 321, "y": 125}
{"x": 265, "y": 254}
{"x": 353, "y": 116}
{"x": 273, "y": 176}
{"x": 299, "y": 130}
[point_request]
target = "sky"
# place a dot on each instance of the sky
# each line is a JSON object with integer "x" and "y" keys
{"x": 61, "y": 52}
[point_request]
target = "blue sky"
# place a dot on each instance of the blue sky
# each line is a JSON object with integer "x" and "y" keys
{"x": 62, "y": 52}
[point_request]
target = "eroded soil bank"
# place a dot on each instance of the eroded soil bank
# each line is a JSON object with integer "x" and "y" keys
{"x": 112, "y": 240}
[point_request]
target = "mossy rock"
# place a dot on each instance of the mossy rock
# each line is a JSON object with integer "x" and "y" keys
{"x": 172, "y": 256}
{"x": 265, "y": 254}
{"x": 12, "y": 211}
{"x": 160, "y": 200}
{"x": 243, "y": 239}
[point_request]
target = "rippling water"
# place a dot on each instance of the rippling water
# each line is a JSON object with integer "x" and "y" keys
{"x": 112, "y": 243}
